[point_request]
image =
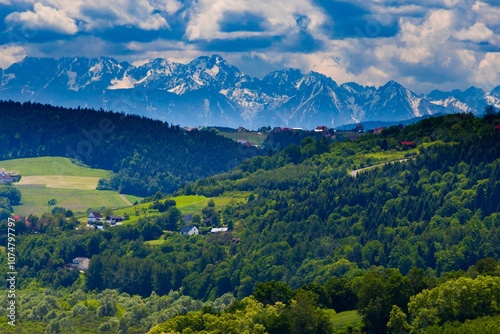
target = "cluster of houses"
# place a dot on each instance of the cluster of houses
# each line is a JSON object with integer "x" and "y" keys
{"x": 19, "y": 218}
{"x": 97, "y": 220}
{"x": 320, "y": 128}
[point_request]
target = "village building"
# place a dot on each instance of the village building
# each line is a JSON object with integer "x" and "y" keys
{"x": 218, "y": 229}
{"x": 4, "y": 178}
{"x": 321, "y": 128}
{"x": 81, "y": 263}
{"x": 189, "y": 230}
{"x": 94, "y": 218}
{"x": 114, "y": 219}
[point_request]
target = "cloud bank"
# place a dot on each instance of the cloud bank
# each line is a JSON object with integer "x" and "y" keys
{"x": 424, "y": 44}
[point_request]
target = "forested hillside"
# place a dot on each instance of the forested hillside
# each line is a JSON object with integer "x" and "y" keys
{"x": 310, "y": 238}
{"x": 146, "y": 155}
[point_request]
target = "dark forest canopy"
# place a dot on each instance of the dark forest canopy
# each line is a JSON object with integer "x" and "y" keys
{"x": 146, "y": 155}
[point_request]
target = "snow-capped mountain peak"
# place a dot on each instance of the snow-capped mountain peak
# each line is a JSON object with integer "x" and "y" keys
{"x": 208, "y": 90}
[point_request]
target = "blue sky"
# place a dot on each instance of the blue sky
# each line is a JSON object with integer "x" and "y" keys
{"x": 424, "y": 45}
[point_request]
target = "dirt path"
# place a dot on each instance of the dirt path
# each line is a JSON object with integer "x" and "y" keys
{"x": 355, "y": 172}
{"x": 125, "y": 199}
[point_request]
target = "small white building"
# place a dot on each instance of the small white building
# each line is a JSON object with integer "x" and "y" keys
{"x": 189, "y": 230}
{"x": 82, "y": 263}
{"x": 94, "y": 217}
{"x": 218, "y": 229}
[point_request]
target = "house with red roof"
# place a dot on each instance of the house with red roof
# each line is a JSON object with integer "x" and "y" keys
{"x": 408, "y": 143}
{"x": 94, "y": 217}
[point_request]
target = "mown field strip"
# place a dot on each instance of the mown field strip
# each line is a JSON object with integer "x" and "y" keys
{"x": 50, "y": 166}
{"x": 61, "y": 181}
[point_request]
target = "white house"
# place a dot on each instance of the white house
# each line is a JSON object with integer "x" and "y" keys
{"x": 189, "y": 230}
{"x": 81, "y": 263}
{"x": 94, "y": 217}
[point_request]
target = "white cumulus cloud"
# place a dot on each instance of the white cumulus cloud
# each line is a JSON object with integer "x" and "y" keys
{"x": 44, "y": 18}
{"x": 475, "y": 33}
{"x": 487, "y": 75}
{"x": 205, "y": 19}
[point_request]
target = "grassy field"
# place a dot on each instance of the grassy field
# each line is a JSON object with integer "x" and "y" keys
{"x": 378, "y": 158}
{"x": 60, "y": 181}
{"x": 50, "y": 166}
{"x": 342, "y": 320}
{"x": 35, "y": 198}
{"x": 255, "y": 138}
{"x": 72, "y": 186}
{"x": 192, "y": 204}
{"x": 385, "y": 156}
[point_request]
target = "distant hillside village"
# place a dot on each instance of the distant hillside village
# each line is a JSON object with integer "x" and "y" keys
{"x": 97, "y": 220}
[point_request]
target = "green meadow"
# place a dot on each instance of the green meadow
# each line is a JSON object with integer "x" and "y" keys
{"x": 72, "y": 186}
{"x": 35, "y": 198}
{"x": 50, "y": 166}
{"x": 343, "y": 320}
{"x": 254, "y": 138}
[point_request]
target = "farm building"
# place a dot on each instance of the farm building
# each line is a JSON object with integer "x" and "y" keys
{"x": 189, "y": 230}
{"x": 94, "y": 217}
{"x": 81, "y": 263}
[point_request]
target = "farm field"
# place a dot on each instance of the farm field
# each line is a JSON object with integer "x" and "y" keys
{"x": 255, "y": 138}
{"x": 60, "y": 181}
{"x": 380, "y": 157}
{"x": 72, "y": 186}
{"x": 35, "y": 198}
{"x": 50, "y": 166}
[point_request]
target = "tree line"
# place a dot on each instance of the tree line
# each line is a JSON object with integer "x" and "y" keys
{"x": 146, "y": 155}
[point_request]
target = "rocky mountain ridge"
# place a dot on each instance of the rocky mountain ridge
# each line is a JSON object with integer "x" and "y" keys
{"x": 210, "y": 91}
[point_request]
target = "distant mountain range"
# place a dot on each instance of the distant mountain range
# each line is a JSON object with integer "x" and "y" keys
{"x": 209, "y": 91}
